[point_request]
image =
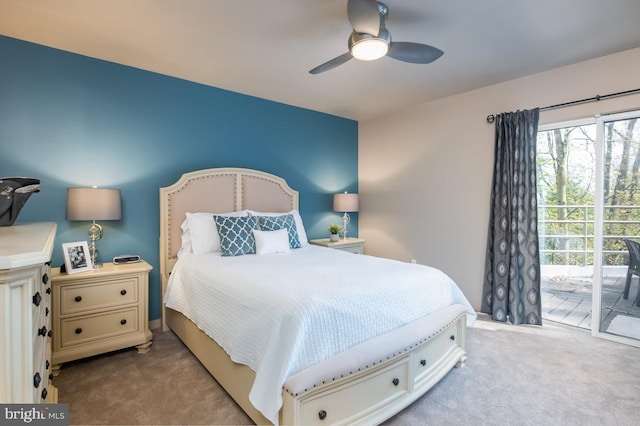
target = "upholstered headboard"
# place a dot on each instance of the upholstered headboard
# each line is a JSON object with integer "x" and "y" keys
{"x": 220, "y": 190}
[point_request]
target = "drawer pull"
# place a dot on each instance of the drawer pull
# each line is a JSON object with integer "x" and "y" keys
{"x": 123, "y": 322}
{"x": 123, "y": 292}
{"x": 45, "y": 279}
{"x": 78, "y": 330}
{"x": 36, "y": 380}
{"x": 50, "y": 333}
{"x": 396, "y": 381}
{"x": 37, "y": 299}
{"x": 49, "y": 290}
{"x": 322, "y": 414}
{"x": 78, "y": 298}
{"x": 47, "y": 364}
{"x": 42, "y": 331}
{"x": 423, "y": 362}
{"x": 452, "y": 337}
{"x": 44, "y": 393}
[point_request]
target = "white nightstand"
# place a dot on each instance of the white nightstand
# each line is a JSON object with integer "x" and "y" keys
{"x": 100, "y": 311}
{"x": 352, "y": 245}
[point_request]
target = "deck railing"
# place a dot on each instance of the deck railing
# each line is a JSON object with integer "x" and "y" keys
{"x": 572, "y": 239}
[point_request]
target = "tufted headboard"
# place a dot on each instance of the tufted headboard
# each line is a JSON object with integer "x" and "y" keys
{"x": 219, "y": 190}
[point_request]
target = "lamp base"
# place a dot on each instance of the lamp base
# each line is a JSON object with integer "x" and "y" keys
{"x": 95, "y": 233}
{"x": 345, "y": 220}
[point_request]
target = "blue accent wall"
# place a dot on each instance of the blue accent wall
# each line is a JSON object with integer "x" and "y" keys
{"x": 70, "y": 120}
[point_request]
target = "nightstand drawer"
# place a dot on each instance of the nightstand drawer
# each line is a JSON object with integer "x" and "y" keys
{"x": 355, "y": 249}
{"x": 97, "y": 295}
{"x": 78, "y": 330}
{"x": 350, "y": 245}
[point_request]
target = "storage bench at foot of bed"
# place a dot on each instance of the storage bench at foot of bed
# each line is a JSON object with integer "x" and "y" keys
{"x": 376, "y": 393}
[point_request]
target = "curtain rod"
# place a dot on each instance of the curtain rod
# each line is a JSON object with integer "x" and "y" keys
{"x": 491, "y": 118}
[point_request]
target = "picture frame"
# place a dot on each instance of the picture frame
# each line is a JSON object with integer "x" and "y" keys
{"x": 76, "y": 257}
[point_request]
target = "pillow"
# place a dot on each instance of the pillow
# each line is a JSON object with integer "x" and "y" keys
{"x": 302, "y": 235}
{"x": 199, "y": 232}
{"x": 272, "y": 242}
{"x": 285, "y": 221}
{"x": 185, "y": 242}
{"x": 236, "y": 234}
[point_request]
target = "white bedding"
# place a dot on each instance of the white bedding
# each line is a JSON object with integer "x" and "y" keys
{"x": 280, "y": 314}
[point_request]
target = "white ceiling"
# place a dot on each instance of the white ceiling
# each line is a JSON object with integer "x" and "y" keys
{"x": 266, "y": 48}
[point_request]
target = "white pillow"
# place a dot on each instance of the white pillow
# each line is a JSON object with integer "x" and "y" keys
{"x": 271, "y": 242}
{"x": 302, "y": 234}
{"x": 185, "y": 242}
{"x": 200, "y": 234}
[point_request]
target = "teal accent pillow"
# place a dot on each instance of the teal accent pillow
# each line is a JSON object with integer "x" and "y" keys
{"x": 236, "y": 234}
{"x": 285, "y": 221}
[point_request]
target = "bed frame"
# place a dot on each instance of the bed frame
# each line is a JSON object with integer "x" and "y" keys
{"x": 368, "y": 395}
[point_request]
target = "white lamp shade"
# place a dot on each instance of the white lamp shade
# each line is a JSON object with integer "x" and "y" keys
{"x": 345, "y": 202}
{"x": 93, "y": 204}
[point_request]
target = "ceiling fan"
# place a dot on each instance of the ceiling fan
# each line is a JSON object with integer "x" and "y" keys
{"x": 370, "y": 39}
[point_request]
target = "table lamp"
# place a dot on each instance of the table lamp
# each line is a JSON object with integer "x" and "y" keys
{"x": 345, "y": 203}
{"x": 93, "y": 204}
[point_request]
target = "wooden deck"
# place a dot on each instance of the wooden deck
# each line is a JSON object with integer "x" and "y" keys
{"x": 568, "y": 300}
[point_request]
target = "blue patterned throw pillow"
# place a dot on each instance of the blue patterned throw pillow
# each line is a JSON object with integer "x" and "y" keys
{"x": 285, "y": 221}
{"x": 236, "y": 234}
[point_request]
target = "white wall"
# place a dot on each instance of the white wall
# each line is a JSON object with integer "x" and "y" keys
{"x": 425, "y": 172}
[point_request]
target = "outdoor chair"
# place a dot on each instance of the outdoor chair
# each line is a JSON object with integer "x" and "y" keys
{"x": 634, "y": 268}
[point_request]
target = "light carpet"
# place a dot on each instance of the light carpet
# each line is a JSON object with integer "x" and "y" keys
{"x": 515, "y": 375}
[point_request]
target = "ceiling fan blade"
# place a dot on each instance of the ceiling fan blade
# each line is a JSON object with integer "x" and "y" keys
{"x": 364, "y": 16}
{"x": 332, "y": 63}
{"x": 415, "y": 53}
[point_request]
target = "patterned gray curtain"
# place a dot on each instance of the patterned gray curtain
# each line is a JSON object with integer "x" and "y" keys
{"x": 512, "y": 268}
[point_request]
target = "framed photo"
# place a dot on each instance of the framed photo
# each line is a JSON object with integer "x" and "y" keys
{"x": 76, "y": 257}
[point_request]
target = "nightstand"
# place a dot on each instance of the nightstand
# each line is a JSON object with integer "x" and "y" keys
{"x": 352, "y": 245}
{"x": 100, "y": 311}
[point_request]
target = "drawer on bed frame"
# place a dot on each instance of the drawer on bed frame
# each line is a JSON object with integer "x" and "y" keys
{"x": 428, "y": 358}
{"x": 369, "y": 392}
{"x": 375, "y": 394}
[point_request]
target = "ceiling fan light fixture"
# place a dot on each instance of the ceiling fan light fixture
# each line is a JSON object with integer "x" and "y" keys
{"x": 369, "y": 49}
{"x": 370, "y": 39}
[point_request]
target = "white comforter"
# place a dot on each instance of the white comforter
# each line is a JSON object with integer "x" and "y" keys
{"x": 279, "y": 314}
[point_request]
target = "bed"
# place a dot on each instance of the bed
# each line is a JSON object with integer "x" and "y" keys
{"x": 353, "y": 379}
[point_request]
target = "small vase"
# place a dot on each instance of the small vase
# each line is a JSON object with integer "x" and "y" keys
{"x": 334, "y": 237}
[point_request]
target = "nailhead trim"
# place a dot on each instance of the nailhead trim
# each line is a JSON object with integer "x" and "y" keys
{"x": 393, "y": 355}
{"x": 239, "y": 181}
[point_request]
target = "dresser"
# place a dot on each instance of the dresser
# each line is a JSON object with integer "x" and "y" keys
{"x": 25, "y": 312}
{"x": 351, "y": 245}
{"x": 100, "y": 311}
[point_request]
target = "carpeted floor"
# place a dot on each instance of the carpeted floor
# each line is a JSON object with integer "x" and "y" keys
{"x": 515, "y": 375}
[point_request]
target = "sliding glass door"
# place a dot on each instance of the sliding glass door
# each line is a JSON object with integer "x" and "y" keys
{"x": 589, "y": 204}
{"x": 566, "y": 160}
{"x": 616, "y": 314}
